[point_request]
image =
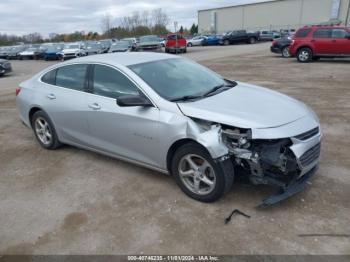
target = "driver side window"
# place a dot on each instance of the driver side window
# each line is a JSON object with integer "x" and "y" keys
{"x": 109, "y": 82}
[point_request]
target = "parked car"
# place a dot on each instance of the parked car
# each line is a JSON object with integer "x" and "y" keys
{"x": 315, "y": 42}
{"x": 53, "y": 52}
{"x": 196, "y": 41}
{"x": 281, "y": 46}
{"x": 120, "y": 46}
{"x": 266, "y": 35}
{"x": 93, "y": 48}
{"x": 287, "y": 32}
{"x": 13, "y": 52}
{"x": 148, "y": 43}
{"x": 173, "y": 115}
{"x": 33, "y": 52}
{"x": 5, "y": 67}
{"x": 72, "y": 50}
{"x": 3, "y": 51}
{"x": 106, "y": 44}
{"x": 175, "y": 44}
{"x": 239, "y": 36}
{"x": 212, "y": 40}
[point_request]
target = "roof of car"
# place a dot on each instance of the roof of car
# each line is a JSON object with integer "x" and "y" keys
{"x": 125, "y": 59}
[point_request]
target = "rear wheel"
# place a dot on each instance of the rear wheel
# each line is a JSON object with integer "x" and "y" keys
{"x": 252, "y": 40}
{"x": 189, "y": 44}
{"x": 44, "y": 131}
{"x": 199, "y": 176}
{"x": 285, "y": 52}
{"x": 304, "y": 55}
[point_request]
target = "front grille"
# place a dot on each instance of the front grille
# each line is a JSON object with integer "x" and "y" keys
{"x": 311, "y": 155}
{"x": 308, "y": 134}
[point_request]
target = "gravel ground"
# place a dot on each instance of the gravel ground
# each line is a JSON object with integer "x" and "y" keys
{"x": 72, "y": 201}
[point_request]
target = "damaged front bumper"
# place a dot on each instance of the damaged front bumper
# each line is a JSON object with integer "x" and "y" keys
{"x": 286, "y": 163}
{"x": 290, "y": 190}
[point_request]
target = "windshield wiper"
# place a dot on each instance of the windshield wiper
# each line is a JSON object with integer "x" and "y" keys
{"x": 185, "y": 98}
{"x": 218, "y": 87}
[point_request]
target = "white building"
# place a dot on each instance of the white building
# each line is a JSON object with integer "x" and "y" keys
{"x": 273, "y": 14}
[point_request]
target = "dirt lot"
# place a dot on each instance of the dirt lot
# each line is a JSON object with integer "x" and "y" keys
{"x": 71, "y": 201}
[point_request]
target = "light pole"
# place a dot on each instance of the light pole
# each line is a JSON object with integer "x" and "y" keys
{"x": 175, "y": 25}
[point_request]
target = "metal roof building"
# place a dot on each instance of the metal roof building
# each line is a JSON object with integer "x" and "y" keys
{"x": 272, "y": 15}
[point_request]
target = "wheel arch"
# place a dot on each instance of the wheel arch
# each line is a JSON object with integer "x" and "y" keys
{"x": 177, "y": 144}
{"x": 304, "y": 46}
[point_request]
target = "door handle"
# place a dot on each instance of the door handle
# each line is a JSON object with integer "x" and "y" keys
{"x": 51, "y": 96}
{"x": 95, "y": 106}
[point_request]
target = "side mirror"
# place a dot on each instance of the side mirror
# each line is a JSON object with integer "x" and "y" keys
{"x": 133, "y": 100}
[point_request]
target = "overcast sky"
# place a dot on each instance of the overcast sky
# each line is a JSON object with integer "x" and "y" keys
{"x": 65, "y": 16}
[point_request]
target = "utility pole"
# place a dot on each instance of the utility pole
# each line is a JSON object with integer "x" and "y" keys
{"x": 175, "y": 25}
{"x": 347, "y": 14}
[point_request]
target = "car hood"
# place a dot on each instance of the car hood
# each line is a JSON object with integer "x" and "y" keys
{"x": 148, "y": 43}
{"x": 27, "y": 53}
{"x": 72, "y": 50}
{"x": 247, "y": 106}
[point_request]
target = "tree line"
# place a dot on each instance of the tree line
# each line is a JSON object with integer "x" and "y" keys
{"x": 154, "y": 22}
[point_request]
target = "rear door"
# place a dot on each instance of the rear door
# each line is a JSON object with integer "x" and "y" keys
{"x": 322, "y": 41}
{"x": 341, "y": 41}
{"x": 130, "y": 132}
{"x": 64, "y": 99}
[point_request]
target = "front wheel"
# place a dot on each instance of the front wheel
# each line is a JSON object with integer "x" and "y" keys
{"x": 44, "y": 131}
{"x": 199, "y": 176}
{"x": 226, "y": 42}
{"x": 189, "y": 44}
{"x": 304, "y": 55}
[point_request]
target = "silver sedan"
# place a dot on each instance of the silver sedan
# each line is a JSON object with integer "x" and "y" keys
{"x": 173, "y": 115}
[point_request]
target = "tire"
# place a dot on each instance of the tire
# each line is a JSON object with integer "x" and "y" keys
{"x": 226, "y": 42}
{"x": 167, "y": 50}
{"x": 252, "y": 40}
{"x": 285, "y": 52}
{"x": 185, "y": 50}
{"x": 189, "y": 44}
{"x": 304, "y": 55}
{"x": 219, "y": 176}
{"x": 42, "y": 127}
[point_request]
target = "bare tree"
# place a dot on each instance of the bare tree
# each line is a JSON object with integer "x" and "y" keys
{"x": 106, "y": 24}
{"x": 160, "y": 18}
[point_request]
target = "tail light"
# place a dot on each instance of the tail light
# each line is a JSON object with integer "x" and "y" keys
{"x": 18, "y": 89}
{"x": 274, "y": 42}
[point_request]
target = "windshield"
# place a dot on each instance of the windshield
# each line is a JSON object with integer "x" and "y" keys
{"x": 175, "y": 78}
{"x": 124, "y": 44}
{"x": 149, "y": 38}
{"x": 53, "y": 49}
{"x": 71, "y": 47}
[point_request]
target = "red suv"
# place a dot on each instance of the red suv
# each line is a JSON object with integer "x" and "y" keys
{"x": 175, "y": 44}
{"x": 313, "y": 42}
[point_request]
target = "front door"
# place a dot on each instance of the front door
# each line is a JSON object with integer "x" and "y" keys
{"x": 341, "y": 41}
{"x": 322, "y": 41}
{"x": 130, "y": 132}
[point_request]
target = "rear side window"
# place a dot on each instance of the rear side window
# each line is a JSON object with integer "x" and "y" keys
{"x": 302, "y": 33}
{"x": 49, "y": 77}
{"x": 322, "y": 33}
{"x": 111, "y": 83}
{"x": 339, "y": 33}
{"x": 71, "y": 76}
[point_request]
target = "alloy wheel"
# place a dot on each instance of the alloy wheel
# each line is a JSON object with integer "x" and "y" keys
{"x": 197, "y": 174}
{"x": 43, "y": 131}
